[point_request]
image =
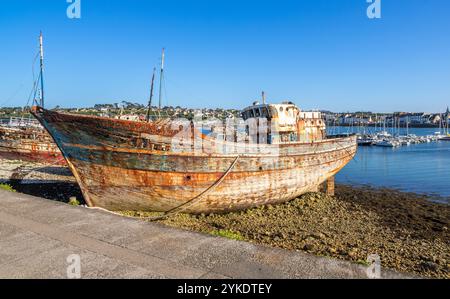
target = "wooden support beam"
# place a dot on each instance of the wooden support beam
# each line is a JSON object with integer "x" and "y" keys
{"x": 330, "y": 186}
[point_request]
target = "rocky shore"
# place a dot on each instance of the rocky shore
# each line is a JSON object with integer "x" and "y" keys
{"x": 408, "y": 231}
{"x": 43, "y": 180}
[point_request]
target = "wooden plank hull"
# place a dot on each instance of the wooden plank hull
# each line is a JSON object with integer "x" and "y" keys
{"x": 150, "y": 173}
{"x": 29, "y": 145}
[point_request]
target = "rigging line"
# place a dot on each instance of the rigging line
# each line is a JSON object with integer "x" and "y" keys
{"x": 33, "y": 89}
{"x": 21, "y": 84}
{"x": 36, "y": 89}
{"x": 13, "y": 95}
{"x": 165, "y": 92}
{"x": 31, "y": 93}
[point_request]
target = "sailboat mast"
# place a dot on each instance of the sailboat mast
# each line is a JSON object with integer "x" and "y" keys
{"x": 151, "y": 96}
{"x": 41, "y": 55}
{"x": 446, "y": 120}
{"x": 161, "y": 78}
{"x": 407, "y": 125}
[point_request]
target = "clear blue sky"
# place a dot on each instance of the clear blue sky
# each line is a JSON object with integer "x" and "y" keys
{"x": 318, "y": 53}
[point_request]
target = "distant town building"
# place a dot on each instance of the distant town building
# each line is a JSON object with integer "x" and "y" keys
{"x": 132, "y": 117}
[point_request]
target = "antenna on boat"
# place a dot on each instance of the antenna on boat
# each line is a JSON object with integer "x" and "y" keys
{"x": 263, "y": 95}
{"x": 151, "y": 95}
{"x": 161, "y": 79}
{"x": 41, "y": 55}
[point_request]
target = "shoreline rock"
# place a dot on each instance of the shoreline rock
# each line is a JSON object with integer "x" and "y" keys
{"x": 409, "y": 233}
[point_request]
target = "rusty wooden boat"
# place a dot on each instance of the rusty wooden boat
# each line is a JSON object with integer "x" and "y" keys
{"x": 166, "y": 165}
{"x": 28, "y": 142}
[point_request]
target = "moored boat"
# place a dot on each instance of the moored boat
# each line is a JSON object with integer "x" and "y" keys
{"x": 365, "y": 140}
{"x": 445, "y": 137}
{"x": 387, "y": 143}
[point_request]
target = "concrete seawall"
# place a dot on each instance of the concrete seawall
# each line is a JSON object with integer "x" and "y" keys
{"x": 37, "y": 236}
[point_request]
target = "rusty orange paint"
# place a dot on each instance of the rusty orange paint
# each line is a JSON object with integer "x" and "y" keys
{"x": 29, "y": 144}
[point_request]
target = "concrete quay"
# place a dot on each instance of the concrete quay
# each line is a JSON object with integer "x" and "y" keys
{"x": 39, "y": 238}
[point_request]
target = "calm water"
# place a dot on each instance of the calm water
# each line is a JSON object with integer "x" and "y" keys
{"x": 421, "y": 168}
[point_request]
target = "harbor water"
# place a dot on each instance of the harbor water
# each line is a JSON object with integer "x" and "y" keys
{"x": 421, "y": 168}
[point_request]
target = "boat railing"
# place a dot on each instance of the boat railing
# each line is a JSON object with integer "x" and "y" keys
{"x": 20, "y": 122}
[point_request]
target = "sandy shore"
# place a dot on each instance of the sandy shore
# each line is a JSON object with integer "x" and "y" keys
{"x": 408, "y": 231}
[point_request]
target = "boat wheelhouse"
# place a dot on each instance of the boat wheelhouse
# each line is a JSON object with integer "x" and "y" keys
{"x": 286, "y": 122}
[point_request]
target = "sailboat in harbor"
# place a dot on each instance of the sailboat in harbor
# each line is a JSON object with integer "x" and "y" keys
{"x": 169, "y": 165}
{"x": 25, "y": 139}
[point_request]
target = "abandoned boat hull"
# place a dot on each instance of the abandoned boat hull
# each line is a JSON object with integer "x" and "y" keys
{"x": 153, "y": 176}
{"x": 31, "y": 145}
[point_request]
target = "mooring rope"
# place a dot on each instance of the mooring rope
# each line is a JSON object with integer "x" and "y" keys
{"x": 184, "y": 206}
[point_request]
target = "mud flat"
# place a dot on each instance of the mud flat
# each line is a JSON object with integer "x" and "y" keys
{"x": 408, "y": 232}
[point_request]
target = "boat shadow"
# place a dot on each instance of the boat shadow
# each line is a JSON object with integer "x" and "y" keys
{"x": 54, "y": 170}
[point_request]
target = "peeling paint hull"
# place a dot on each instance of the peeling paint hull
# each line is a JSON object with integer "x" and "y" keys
{"x": 29, "y": 144}
{"x": 124, "y": 165}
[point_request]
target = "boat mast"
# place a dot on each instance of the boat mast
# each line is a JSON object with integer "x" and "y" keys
{"x": 161, "y": 76}
{"x": 407, "y": 125}
{"x": 41, "y": 55}
{"x": 151, "y": 95}
{"x": 446, "y": 120}
{"x": 447, "y": 114}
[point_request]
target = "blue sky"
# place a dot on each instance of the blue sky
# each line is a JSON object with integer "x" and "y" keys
{"x": 323, "y": 54}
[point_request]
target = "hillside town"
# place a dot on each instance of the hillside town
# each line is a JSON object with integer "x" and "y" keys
{"x": 135, "y": 111}
{"x": 395, "y": 119}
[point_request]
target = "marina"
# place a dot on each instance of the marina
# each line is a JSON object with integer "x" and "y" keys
{"x": 420, "y": 167}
